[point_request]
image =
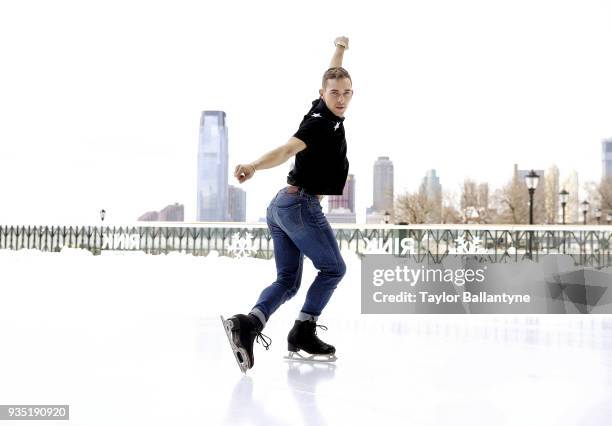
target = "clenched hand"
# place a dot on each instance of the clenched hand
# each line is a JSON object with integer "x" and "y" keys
{"x": 244, "y": 172}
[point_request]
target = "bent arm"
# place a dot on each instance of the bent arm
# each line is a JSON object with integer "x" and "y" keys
{"x": 279, "y": 155}
{"x": 336, "y": 60}
{"x": 341, "y": 44}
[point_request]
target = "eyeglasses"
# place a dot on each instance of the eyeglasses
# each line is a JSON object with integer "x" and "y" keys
{"x": 337, "y": 95}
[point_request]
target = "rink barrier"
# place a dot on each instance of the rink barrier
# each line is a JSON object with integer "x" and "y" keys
{"x": 588, "y": 245}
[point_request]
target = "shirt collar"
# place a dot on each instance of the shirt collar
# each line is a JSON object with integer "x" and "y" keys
{"x": 318, "y": 105}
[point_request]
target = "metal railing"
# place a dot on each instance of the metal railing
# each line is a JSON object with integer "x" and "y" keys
{"x": 587, "y": 245}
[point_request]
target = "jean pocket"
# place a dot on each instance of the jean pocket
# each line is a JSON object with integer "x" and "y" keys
{"x": 287, "y": 200}
{"x": 291, "y": 217}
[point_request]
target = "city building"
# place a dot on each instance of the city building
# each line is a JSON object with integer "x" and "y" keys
{"x": 606, "y": 158}
{"x": 373, "y": 216}
{"x": 341, "y": 215}
{"x": 212, "y": 173}
{"x": 172, "y": 213}
{"x": 237, "y": 204}
{"x": 382, "y": 191}
{"x": 431, "y": 188}
{"x": 346, "y": 200}
{"x": 151, "y": 216}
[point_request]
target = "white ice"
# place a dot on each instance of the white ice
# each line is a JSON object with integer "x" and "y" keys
{"x": 135, "y": 339}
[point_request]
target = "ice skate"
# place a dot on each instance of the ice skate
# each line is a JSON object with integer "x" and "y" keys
{"x": 242, "y": 331}
{"x": 304, "y": 345}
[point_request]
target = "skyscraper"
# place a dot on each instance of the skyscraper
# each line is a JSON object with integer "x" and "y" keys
{"x": 346, "y": 200}
{"x": 431, "y": 188}
{"x": 212, "y": 186}
{"x": 431, "y": 184}
{"x": 237, "y": 204}
{"x": 341, "y": 208}
{"x": 383, "y": 185}
{"x": 520, "y": 175}
{"x": 606, "y": 157}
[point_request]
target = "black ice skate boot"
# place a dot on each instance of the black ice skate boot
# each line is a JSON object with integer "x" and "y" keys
{"x": 303, "y": 336}
{"x": 242, "y": 331}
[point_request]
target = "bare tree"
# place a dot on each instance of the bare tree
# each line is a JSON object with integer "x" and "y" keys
{"x": 475, "y": 200}
{"x": 469, "y": 194}
{"x": 413, "y": 207}
{"x": 551, "y": 195}
{"x": 449, "y": 213}
{"x": 512, "y": 202}
{"x": 600, "y": 194}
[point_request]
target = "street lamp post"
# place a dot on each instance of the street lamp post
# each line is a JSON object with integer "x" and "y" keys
{"x": 601, "y": 242}
{"x": 585, "y": 209}
{"x": 563, "y": 196}
{"x": 532, "y": 183}
{"x": 102, "y": 215}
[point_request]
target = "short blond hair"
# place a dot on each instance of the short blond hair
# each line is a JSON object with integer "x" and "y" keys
{"x": 335, "y": 74}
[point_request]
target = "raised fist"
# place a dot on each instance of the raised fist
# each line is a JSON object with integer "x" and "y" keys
{"x": 244, "y": 172}
{"x": 341, "y": 41}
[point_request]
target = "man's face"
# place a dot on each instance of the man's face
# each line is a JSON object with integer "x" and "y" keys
{"x": 337, "y": 95}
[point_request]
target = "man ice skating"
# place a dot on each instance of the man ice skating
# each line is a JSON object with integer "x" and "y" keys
{"x": 297, "y": 223}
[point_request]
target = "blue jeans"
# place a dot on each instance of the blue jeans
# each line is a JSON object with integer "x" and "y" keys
{"x": 299, "y": 227}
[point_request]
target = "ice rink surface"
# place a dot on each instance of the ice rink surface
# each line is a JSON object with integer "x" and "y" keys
{"x": 135, "y": 339}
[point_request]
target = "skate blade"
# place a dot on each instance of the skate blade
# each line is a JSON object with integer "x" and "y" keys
{"x": 238, "y": 352}
{"x": 297, "y": 356}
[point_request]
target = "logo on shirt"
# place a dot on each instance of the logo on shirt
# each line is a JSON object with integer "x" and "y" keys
{"x": 318, "y": 115}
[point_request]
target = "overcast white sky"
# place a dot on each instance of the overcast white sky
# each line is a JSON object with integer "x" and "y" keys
{"x": 100, "y": 101}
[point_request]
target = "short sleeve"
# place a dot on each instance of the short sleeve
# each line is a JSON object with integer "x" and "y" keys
{"x": 310, "y": 130}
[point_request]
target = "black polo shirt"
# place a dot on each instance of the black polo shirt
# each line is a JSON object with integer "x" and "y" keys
{"x": 322, "y": 167}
